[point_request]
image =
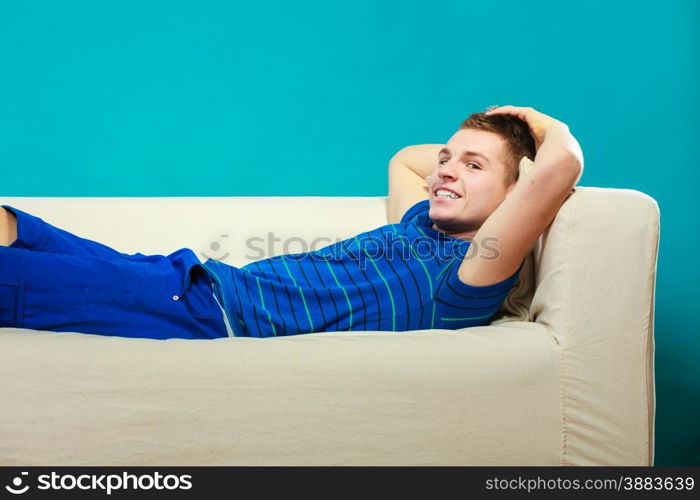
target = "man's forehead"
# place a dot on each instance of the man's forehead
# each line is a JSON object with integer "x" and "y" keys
{"x": 478, "y": 142}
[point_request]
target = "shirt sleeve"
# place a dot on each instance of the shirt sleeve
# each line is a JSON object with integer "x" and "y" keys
{"x": 460, "y": 305}
{"x": 415, "y": 210}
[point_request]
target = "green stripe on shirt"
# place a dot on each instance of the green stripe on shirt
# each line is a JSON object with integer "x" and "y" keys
{"x": 347, "y": 299}
{"x": 262, "y": 301}
{"x": 301, "y": 292}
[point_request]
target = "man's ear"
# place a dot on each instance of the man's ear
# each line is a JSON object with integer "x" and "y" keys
{"x": 526, "y": 164}
{"x": 524, "y": 168}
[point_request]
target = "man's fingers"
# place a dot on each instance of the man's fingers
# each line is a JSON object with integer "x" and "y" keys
{"x": 518, "y": 111}
{"x": 500, "y": 109}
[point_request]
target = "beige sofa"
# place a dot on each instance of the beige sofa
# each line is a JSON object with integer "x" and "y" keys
{"x": 564, "y": 377}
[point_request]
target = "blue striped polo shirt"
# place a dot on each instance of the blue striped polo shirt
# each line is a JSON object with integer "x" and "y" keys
{"x": 396, "y": 277}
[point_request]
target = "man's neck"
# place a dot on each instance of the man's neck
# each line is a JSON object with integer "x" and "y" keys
{"x": 460, "y": 235}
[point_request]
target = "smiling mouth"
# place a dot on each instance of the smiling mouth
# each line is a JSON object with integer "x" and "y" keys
{"x": 446, "y": 194}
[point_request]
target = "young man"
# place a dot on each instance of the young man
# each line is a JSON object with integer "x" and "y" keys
{"x": 447, "y": 259}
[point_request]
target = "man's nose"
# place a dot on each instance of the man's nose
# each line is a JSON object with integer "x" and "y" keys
{"x": 447, "y": 170}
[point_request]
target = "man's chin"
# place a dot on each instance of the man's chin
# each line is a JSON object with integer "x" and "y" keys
{"x": 441, "y": 216}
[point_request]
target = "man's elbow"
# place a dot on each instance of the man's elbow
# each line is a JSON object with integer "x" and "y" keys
{"x": 566, "y": 170}
{"x": 573, "y": 159}
{"x": 575, "y": 164}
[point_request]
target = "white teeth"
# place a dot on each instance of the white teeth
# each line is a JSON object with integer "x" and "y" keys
{"x": 446, "y": 193}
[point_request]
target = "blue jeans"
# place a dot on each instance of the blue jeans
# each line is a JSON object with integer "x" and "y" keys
{"x": 51, "y": 279}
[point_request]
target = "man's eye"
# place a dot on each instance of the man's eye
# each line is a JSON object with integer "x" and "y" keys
{"x": 475, "y": 166}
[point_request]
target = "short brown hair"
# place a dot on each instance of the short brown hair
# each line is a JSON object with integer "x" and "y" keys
{"x": 519, "y": 141}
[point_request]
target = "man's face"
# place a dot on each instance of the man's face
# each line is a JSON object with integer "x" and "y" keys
{"x": 477, "y": 180}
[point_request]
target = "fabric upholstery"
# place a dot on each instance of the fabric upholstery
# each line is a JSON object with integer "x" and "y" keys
{"x": 563, "y": 377}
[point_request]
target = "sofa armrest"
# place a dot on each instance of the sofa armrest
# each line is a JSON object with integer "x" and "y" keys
{"x": 595, "y": 272}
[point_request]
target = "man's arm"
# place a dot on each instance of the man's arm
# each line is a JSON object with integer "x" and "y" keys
{"x": 8, "y": 227}
{"x": 514, "y": 227}
{"x": 407, "y": 172}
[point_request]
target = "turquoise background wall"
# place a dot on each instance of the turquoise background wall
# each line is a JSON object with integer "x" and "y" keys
{"x": 217, "y": 98}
